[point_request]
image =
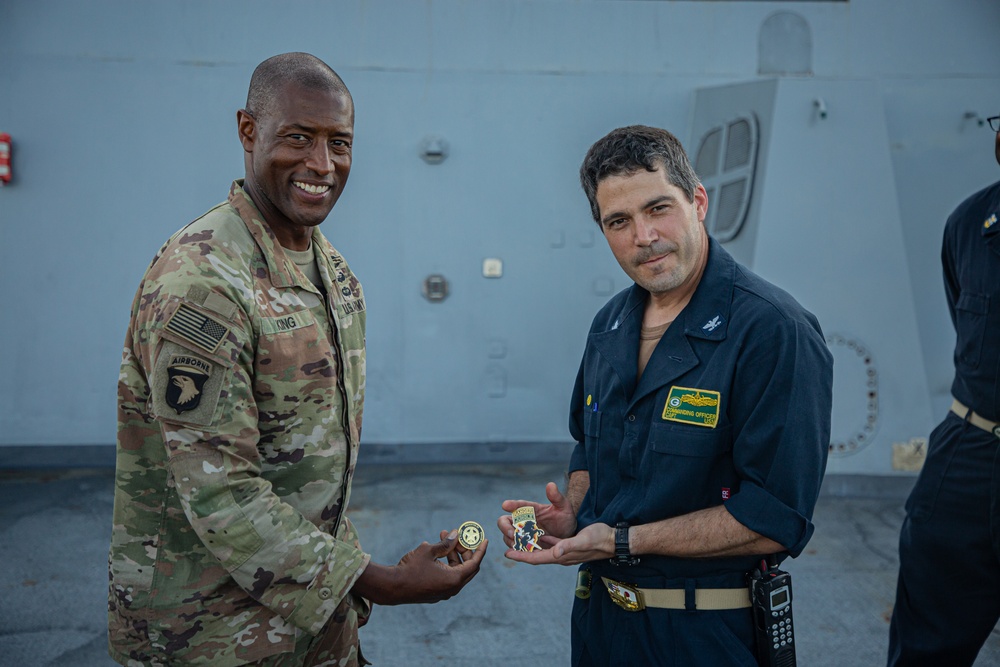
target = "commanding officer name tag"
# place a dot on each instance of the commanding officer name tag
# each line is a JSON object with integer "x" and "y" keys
{"x": 692, "y": 406}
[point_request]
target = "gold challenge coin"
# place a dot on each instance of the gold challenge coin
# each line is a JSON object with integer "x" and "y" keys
{"x": 470, "y": 535}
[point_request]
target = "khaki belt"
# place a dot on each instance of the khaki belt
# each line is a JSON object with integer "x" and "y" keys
{"x": 631, "y": 598}
{"x": 974, "y": 419}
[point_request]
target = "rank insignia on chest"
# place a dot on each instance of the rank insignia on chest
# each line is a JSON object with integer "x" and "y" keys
{"x": 186, "y": 380}
{"x": 692, "y": 406}
{"x": 990, "y": 221}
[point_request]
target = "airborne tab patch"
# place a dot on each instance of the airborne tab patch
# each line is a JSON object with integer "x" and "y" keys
{"x": 692, "y": 406}
{"x": 197, "y": 328}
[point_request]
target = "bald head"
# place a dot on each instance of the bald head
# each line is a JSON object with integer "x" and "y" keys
{"x": 272, "y": 75}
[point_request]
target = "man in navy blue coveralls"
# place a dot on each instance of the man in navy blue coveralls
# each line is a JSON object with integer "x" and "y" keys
{"x": 948, "y": 592}
{"x": 702, "y": 419}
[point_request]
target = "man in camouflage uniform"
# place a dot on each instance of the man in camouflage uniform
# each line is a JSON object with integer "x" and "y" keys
{"x": 240, "y": 401}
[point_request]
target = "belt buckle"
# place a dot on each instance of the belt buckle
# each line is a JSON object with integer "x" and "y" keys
{"x": 623, "y": 595}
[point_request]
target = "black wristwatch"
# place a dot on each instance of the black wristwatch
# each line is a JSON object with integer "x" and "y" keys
{"x": 622, "y": 555}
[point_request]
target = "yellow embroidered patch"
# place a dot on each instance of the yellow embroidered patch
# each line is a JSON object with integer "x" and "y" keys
{"x": 693, "y": 406}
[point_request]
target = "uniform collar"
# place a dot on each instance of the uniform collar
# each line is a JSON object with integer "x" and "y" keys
{"x": 705, "y": 317}
{"x": 279, "y": 265}
{"x": 707, "y": 314}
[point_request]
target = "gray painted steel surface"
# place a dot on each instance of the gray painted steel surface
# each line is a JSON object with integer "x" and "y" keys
{"x": 123, "y": 120}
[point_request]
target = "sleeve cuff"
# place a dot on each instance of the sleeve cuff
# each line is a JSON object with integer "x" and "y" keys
{"x": 578, "y": 460}
{"x": 763, "y": 513}
{"x": 328, "y": 589}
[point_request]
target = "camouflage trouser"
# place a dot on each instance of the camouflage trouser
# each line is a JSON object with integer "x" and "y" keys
{"x": 336, "y": 646}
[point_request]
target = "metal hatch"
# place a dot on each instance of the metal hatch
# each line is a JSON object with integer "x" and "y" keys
{"x": 725, "y": 164}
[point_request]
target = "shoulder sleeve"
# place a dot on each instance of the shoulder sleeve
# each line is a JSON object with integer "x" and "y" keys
{"x": 781, "y": 411}
{"x": 949, "y": 263}
{"x": 578, "y": 459}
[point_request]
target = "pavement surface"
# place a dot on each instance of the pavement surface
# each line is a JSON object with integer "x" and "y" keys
{"x": 55, "y": 526}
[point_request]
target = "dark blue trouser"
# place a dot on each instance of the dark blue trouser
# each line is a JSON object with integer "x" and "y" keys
{"x": 605, "y": 635}
{"x": 948, "y": 592}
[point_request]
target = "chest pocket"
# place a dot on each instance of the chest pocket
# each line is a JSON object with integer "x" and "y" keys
{"x": 971, "y": 314}
{"x": 291, "y": 348}
{"x": 690, "y": 441}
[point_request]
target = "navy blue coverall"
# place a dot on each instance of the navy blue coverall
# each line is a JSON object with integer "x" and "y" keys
{"x": 754, "y": 349}
{"x": 948, "y": 592}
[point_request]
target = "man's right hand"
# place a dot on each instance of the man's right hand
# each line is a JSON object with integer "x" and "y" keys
{"x": 557, "y": 519}
{"x": 421, "y": 576}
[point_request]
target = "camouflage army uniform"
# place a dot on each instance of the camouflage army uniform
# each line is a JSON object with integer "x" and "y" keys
{"x": 239, "y": 416}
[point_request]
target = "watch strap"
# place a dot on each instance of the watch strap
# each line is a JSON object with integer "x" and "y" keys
{"x": 623, "y": 556}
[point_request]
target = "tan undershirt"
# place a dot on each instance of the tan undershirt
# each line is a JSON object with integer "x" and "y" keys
{"x": 648, "y": 338}
{"x": 306, "y": 261}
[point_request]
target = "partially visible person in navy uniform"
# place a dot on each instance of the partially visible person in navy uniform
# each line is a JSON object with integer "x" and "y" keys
{"x": 948, "y": 591}
{"x": 702, "y": 419}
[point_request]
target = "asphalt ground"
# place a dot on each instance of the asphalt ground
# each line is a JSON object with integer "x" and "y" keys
{"x": 55, "y": 526}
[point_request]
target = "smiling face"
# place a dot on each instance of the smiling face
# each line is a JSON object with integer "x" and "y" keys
{"x": 655, "y": 233}
{"x": 298, "y": 158}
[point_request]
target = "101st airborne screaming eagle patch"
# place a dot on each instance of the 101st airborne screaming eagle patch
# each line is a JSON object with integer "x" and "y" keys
{"x": 186, "y": 382}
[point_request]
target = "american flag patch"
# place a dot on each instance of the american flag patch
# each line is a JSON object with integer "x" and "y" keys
{"x": 199, "y": 329}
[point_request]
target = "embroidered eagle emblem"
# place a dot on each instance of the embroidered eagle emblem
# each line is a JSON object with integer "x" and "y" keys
{"x": 187, "y": 387}
{"x": 187, "y": 376}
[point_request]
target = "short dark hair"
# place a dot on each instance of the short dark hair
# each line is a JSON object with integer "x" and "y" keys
{"x": 271, "y": 76}
{"x": 627, "y": 150}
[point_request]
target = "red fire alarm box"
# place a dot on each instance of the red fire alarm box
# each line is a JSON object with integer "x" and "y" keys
{"x": 5, "y": 171}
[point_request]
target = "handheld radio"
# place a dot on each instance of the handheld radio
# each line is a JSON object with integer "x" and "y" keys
{"x": 771, "y": 600}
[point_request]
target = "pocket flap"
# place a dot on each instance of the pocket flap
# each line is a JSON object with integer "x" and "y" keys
{"x": 685, "y": 440}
